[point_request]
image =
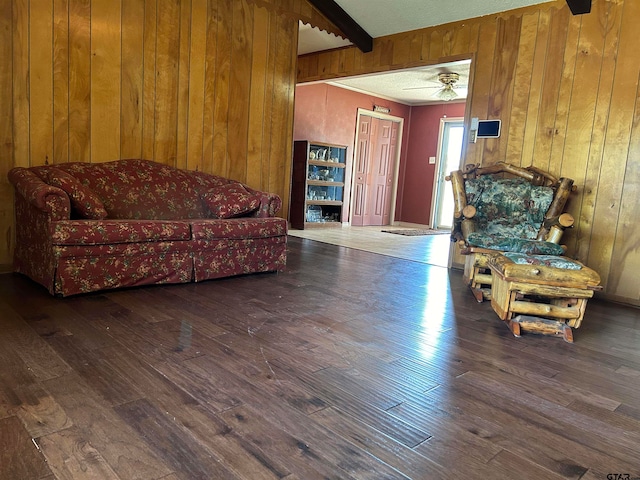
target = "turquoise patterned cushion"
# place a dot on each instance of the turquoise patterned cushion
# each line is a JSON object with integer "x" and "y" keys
{"x": 508, "y": 207}
{"x": 511, "y": 244}
{"x": 544, "y": 260}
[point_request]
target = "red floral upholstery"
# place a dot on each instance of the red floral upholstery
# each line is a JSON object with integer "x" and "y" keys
{"x": 158, "y": 230}
{"x": 238, "y": 228}
{"x": 231, "y": 200}
{"x": 223, "y": 258}
{"x": 77, "y": 232}
{"x": 89, "y": 274}
{"x": 84, "y": 202}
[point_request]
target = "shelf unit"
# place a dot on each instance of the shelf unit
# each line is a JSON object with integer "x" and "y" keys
{"x": 317, "y": 187}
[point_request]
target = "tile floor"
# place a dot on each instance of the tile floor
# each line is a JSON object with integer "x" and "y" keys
{"x": 429, "y": 249}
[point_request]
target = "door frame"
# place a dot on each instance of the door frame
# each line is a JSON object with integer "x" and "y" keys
{"x": 396, "y": 166}
{"x": 436, "y": 176}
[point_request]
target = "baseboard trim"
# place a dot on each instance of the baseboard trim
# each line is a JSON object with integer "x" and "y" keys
{"x": 632, "y": 302}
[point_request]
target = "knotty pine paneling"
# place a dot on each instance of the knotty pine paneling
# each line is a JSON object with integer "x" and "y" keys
{"x": 199, "y": 84}
{"x": 566, "y": 89}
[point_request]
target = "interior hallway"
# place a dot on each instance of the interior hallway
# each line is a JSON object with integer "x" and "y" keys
{"x": 428, "y": 249}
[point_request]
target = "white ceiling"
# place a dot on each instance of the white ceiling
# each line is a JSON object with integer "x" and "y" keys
{"x": 312, "y": 39}
{"x": 412, "y": 87}
{"x": 387, "y": 17}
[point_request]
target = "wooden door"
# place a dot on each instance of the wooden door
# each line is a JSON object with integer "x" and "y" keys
{"x": 361, "y": 170}
{"x": 374, "y": 171}
{"x": 380, "y": 184}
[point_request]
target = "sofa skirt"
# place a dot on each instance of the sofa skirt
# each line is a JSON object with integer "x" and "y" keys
{"x": 76, "y": 275}
{"x": 84, "y": 269}
{"x": 224, "y": 258}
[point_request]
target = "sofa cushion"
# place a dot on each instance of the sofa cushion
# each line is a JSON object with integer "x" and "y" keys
{"x": 512, "y": 244}
{"x": 84, "y": 202}
{"x": 238, "y": 228}
{"x": 95, "y": 232}
{"x": 141, "y": 189}
{"x": 231, "y": 200}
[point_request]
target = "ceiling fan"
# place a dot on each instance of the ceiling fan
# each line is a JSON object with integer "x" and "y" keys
{"x": 448, "y": 80}
{"x": 443, "y": 85}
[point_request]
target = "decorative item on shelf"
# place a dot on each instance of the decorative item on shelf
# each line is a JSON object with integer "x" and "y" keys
{"x": 312, "y": 155}
{"x": 314, "y": 213}
{"x": 322, "y": 154}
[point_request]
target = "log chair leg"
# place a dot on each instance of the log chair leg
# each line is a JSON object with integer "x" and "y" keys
{"x": 567, "y": 334}
{"x": 478, "y": 294}
{"x": 514, "y": 327}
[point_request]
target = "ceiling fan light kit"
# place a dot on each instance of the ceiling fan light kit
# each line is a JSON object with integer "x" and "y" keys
{"x": 448, "y": 80}
{"x": 446, "y": 94}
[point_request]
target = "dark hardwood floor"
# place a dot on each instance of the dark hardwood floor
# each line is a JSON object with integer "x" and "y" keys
{"x": 348, "y": 365}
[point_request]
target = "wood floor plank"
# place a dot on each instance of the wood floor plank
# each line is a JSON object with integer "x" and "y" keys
{"x": 206, "y": 428}
{"x": 128, "y": 455}
{"x": 396, "y": 454}
{"x": 346, "y": 365}
{"x": 182, "y": 453}
{"x": 368, "y": 393}
{"x": 508, "y": 462}
{"x": 42, "y": 361}
{"x": 563, "y": 418}
{"x": 40, "y": 413}
{"x": 71, "y": 456}
{"x": 331, "y": 448}
{"x": 446, "y": 435}
{"x": 299, "y": 456}
{"x": 526, "y": 433}
{"x": 98, "y": 375}
{"x": 397, "y": 429}
{"x": 19, "y": 455}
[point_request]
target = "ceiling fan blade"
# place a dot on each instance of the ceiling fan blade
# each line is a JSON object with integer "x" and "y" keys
{"x": 421, "y": 88}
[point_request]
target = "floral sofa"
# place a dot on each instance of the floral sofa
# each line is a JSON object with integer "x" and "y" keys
{"x": 84, "y": 227}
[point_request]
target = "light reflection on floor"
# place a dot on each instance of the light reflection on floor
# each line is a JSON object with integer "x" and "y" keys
{"x": 429, "y": 249}
{"x": 437, "y": 307}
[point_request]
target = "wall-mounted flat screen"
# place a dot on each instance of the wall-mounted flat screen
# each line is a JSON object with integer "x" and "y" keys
{"x": 488, "y": 128}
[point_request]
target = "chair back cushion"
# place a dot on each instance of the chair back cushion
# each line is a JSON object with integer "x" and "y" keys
{"x": 508, "y": 207}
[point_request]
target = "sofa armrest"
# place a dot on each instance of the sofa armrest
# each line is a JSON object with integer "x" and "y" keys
{"x": 270, "y": 204}
{"x": 47, "y": 198}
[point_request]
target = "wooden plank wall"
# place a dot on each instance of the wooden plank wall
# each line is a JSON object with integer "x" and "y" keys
{"x": 566, "y": 89}
{"x": 197, "y": 84}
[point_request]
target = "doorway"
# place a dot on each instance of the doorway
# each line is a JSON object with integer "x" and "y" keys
{"x": 375, "y": 168}
{"x": 448, "y": 159}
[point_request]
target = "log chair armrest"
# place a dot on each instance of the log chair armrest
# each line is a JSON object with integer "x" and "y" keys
{"x": 469, "y": 212}
{"x": 47, "y": 198}
{"x": 555, "y": 227}
{"x": 461, "y": 226}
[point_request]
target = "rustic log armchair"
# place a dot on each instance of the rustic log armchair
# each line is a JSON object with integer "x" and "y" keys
{"x": 505, "y": 208}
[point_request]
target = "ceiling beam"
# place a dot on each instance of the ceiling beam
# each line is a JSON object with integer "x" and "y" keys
{"x": 578, "y": 7}
{"x": 341, "y": 19}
